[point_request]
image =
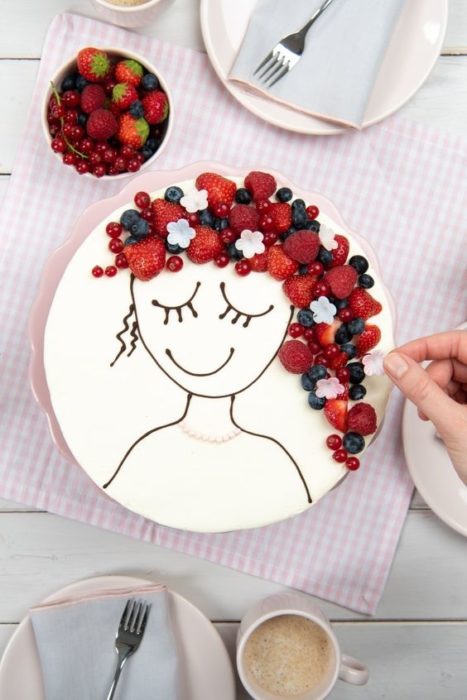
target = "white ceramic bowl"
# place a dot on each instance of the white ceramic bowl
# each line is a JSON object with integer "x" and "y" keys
{"x": 128, "y": 16}
{"x": 69, "y": 67}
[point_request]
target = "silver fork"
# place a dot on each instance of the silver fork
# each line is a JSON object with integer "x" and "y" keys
{"x": 129, "y": 635}
{"x": 287, "y": 53}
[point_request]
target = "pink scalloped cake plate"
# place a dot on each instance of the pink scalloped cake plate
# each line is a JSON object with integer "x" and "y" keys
{"x": 210, "y": 451}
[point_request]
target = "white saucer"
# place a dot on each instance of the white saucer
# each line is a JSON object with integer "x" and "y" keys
{"x": 411, "y": 55}
{"x": 207, "y": 669}
{"x": 432, "y": 471}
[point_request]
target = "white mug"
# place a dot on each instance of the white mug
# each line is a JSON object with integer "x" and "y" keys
{"x": 344, "y": 667}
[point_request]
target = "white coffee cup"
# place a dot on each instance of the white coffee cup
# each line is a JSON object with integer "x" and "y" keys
{"x": 343, "y": 667}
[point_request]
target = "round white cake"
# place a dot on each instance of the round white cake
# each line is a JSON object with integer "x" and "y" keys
{"x": 225, "y": 371}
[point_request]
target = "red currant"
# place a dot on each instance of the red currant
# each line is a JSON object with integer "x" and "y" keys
{"x": 174, "y": 263}
{"x": 95, "y": 159}
{"x": 242, "y": 268}
{"x": 352, "y": 463}
{"x": 111, "y": 271}
{"x": 69, "y": 159}
{"x": 345, "y": 315}
{"x": 295, "y": 330}
{"x": 142, "y": 200}
{"x": 150, "y": 229}
{"x": 120, "y": 164}
{"x": 71, "y": 116}
{"x": 147, "y": 214}
{"x": 339, "y": 360}
{"x": 221, "y": 210}
{"x": 134, "y": 165}
{"x": 222, "y": 260}
{"x": 112, "y": 170}
{"x": 309, "y": 334}
{"x": 68, "y": 130}
{"x": 321, "y": 289}
{"x": 110, "y": 155}
{"x": 55, "y": 128}
{"x": 114, "y": 229}
{"x": 115, "y": 245}
{"x": 321, "y": 359}
{"x": 340, "y": 455}
{"x": 269, "y": 239}
{"x": 334, "y": 442}
{"x": 331, "y": 351}
{"x": 312, "y": 211}
{"x": 263, "y": 205}
{"x": 193, "y": 219}
{"x": 98, "y": 170}
{"x": 97, "y": 271}
{"x": 227, "y": 236}
{"x": 139, "y": 156}
{"x": 76, "y": 133}
{"x": 82, "y": 167}
{"x": 58, "y": 144}
{"x": 314, "y": 347}
{"x": 316, "y": 268}
{"x": 86, "y": 145}
{"x": 127, "y": 152}
{"x": 343, "y": 374}
{"x": 121, "y": 261}
{"x": 101, "y": 147}
{"x": 59, "y": 112}
{"x": 71, "y": 98}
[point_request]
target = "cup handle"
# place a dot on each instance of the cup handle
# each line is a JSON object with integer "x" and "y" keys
{"x": 353, "y": 671}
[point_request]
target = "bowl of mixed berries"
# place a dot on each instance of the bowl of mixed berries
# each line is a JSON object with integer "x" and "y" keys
{"x": 107, "y": 113}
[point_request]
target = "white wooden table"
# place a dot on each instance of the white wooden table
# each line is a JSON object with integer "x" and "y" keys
{"x": 416, "y": 645}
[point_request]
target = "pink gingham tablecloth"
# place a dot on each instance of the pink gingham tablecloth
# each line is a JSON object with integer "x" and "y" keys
{"x": 401, "y": 185}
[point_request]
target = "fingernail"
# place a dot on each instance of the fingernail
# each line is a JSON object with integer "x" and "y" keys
{"x": 396, "y": 365}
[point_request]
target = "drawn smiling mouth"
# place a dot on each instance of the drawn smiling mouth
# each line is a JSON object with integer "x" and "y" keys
{"x": 199, "y": 374}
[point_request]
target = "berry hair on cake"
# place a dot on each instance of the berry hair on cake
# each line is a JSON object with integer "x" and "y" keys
{"x": 281, "y": 284}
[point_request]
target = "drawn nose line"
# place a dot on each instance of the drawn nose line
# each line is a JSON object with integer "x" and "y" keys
{"x": 168, "y": 352}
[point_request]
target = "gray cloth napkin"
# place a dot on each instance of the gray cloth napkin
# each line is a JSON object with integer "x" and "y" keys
{"x": 75, "y": 639}
{"x": 343, "y": 53}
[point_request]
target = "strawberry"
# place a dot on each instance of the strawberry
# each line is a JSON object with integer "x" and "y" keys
{"x": 368, "y": 339}
{"x": 205, "y": 246}
{"x": 132, "y": 131}
{"x": 101, "y": 125}
{"x": 93, "y": 64}
{"x": 261, "y": 185}
{"x": 164, "y": 213}
{"x": 302, "y": 246}
{"x": 93, "y": 97}
{"x": 295, "y": 356}
{"x": 342, "y": 280}
{"x": 339, "y": 254}
{"x": 259, "y": 262}
{"x": 123, "y": 95}
{"x": 243, "y": 217}
{"x": 156, "y": 107}
{"x": 129, "y": 71}
{"x": 325, "y": 334}
{"x": 363, "y": 305}
{"x": 362, "y": 419}
{"x": 280, "y": 266}
{"x": 299, "y": 289}
{"x": 335, "y": 411}
{"x": 339, "y": 360}
{"x": 281, "y": 214}
{"x": 219, "y": 189}
{"x": 146, "y": 258}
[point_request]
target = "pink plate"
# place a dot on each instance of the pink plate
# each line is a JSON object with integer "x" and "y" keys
{"x": 208, "y": 673}
{"x": 411, "y": 55}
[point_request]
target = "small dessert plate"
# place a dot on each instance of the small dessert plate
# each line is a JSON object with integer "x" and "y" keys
{"x": 432, "y": 471}
{"x": 207, "y": 670}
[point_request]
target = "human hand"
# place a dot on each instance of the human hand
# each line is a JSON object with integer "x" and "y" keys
{"x": 439, "y": 391}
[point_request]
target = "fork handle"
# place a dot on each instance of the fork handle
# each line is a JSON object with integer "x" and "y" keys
{"x": 311, "y": 21}
{"x": 122, "y": 658}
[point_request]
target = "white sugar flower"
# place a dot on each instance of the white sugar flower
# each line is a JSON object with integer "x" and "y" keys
{"x": 250, "y": 243}
{"x": 196, "y": 200}
{"x": 327, "y": 237}
{"x": 373, "y": 363}
{"x": 328, "y": 388}
{"x": 323, "y": 310}
{"x": 180, "y": 233}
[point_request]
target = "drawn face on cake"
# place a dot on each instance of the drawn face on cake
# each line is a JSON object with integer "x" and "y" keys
{"x": 210, "y": 330}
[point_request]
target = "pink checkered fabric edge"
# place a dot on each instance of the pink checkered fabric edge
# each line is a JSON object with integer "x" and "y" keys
{"x": 401, "y": 185}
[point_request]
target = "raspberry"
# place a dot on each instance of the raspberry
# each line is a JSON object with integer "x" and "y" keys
{"x": 261, "y": 185}
{"x": 243, "y": 217}
{"x": 101, "y": 125}
{"x": 92, "y": 98}
{"x": 295, "y": 356}
{"x": 341, "y": 280}
{"x": 302, "y": 246}
{"x": 362, "y": 419}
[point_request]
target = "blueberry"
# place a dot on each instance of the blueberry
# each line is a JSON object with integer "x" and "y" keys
{"x": 324, "y": 256}
{"x": 356, "y": 326}
{"x": 317, "y": 372}
{"x": 305, "y": 317}
{"x": 343, "y": 335}
{"x": 357, "y": 392}
{"x": 366, "y": 281}
{"x": 131, "y": 240}
{"x": 312, "y": 226}
{"x": 139, "y": 229}
{"x": 357, "y": 372}
{"x": 173, "y": 248}
{"x": 299, "y": 218}
{"x": 291, "y": 230}
{"x": 298, "y": 204}
{"x": 149, "y": 82}
{"x": 284, "y": 194}
{"x": 234, "y": 253}
{"x": 353, "y": 442}
{"x": 129, "y": 217}
{"x": 152, "y": 144}
{"x": 339, "y": 303}
{"x": 359, "y": 263}
{"x": 137, "y": 109}
{"x": 173, "y": 194}
{"x": 147, "y": 153}
{"x": 221, "y": 224}
{"x": 307, "y": 383}
{"x": 315, "y": 401}
{"x": 82, "y": 119}
{"x": 206, "y": 218}
{"x": 81, "y": 83}
{"x": 349, "y": 349}
{"x": 242, "y": 196}
{"x": 69, "y": 83}
{"x": 303, "y": 269}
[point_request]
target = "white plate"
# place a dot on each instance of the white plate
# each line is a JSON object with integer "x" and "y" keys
{"x": 411, "y": 55}
{"x": 432, "y": 471}
{"x": 207, "y": 669}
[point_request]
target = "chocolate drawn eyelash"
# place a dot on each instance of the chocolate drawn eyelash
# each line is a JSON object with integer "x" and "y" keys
{"x": 239, "y": 314}
{"x": 179, "y": 308}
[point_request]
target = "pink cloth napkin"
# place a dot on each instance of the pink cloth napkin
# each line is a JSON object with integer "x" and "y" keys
{"x": 401, "y": 185}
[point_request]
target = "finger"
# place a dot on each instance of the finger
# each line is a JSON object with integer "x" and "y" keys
{"x": 445, "y": 371}
{"x": 438, "y": 347}
{"x": 417, "y": 385}
{"x": 452, "y": 389}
